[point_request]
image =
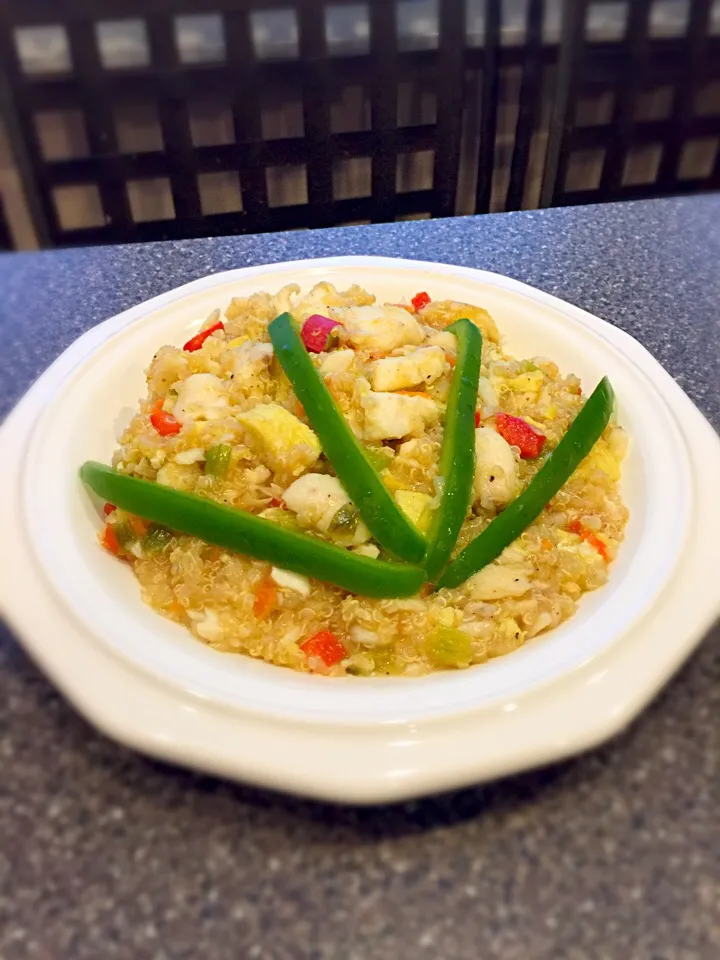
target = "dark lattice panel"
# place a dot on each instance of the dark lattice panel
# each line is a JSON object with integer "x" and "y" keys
{"x": 657, "y": 137}
{"x": 110, "y": 173}
{"x": 6, "y": 242}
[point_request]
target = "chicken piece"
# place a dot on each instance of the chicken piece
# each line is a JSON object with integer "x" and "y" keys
{"x": 497, "y": 581}
{"x": 201, "y": 397}
{"x": 416, "y": 506}
{"x": 337, "y": 361}
{"x": 287, "y": 580}
{"x": 488, "y": 398}
{"x": 391, "y": 416}
{"x": 441, "y": 313}
{"x": 422, "y": 366}
{"x": 446, "y": 341}
{"x": 250, "y": 359}
{"x": 285, "y": 443}
{"x": 315, "y": 498}
{"x": 378, "y": 329}
{"x": 496, "y": 469}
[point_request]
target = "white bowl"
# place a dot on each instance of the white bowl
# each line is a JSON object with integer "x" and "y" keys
{"x": 150, "y": 684}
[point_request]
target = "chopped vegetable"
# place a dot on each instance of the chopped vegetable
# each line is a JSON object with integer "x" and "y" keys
{"x": 379, "y": 457}
{"x": 449, "y": 647}
{"x": 520, "y": 434}
{"x": 478, "y": 418}
{"x": 265, "y": 598}
{"x": 457, "y": 458}
{"x": 325, "y": 645}
{"x": 318, "y": 332}
{"x": 138, "y": 526}
{"x": 579, "y": 440}
{"x": 420, "y": 300}
{"x": 156, "y": 539}
{"x": 109, "y": 539}
{"x": 345, "y": 520}
{"x": 384, "y": 519}
{"x": 109, "y": 508}
{"x": 280, "y": 516}
{"x": 590, "y": 537}
{"x": 217, "y": 460}
{"x": 165, "y": 423}
{"x": 194, "y": 343}
{"x": 245, "y": 533}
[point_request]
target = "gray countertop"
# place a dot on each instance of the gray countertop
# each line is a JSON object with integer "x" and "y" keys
{"x": 104, "y": 854}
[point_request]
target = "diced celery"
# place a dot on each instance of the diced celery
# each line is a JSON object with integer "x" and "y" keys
{"x": 449, "y": 647}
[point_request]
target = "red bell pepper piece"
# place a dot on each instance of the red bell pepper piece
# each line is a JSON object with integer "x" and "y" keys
{"x": 165, "y": 423}
{"x": 109, "y": 508}
{"x": 110, "y": 540}
{"x": 325, "y": 645}
{"x": 420, "y": 300}
{"x": 194, "y": 343}
{"x": 478, "y": 418}
{"x": 519, "y": 433}
{"x": 317, "y": 332}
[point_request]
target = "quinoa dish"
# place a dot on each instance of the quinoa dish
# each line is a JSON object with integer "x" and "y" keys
{"x": 343, "y": 486}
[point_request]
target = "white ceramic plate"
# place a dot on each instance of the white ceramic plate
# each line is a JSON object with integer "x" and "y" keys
{"x": 150, "y": 684}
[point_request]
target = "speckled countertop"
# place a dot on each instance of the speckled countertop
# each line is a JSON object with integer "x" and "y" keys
{"x": 615, "y": 855}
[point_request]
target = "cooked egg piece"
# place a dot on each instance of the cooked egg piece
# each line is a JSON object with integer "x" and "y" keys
{"x": 416, "y": 506}
{"x": 421, "y": 366}
{"x": 391, "y": 416}
{"x": 285, "y": 443}
{"x": 496, "y": 469}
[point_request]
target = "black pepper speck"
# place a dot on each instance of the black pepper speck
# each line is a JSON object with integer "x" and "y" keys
{"x": 613, "y": 855}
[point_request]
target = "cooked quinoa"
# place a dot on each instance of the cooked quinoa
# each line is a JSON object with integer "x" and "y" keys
{"x": 389, "y": 368}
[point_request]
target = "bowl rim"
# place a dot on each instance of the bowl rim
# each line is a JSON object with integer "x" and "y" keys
{"x": 414, "y": 762}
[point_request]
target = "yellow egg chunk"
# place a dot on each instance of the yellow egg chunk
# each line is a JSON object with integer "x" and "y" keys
{"x": 416, "y": 506}
{"x": 285, "y": 443}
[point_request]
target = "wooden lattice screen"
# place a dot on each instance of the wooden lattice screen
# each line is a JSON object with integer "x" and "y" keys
{"x": 661, "y": 131}
{"x": 464, "y": 75}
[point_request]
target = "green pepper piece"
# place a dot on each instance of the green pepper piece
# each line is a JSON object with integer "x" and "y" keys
{"x": 383, "y": 517}
{"x": 579, "y": 440}
{"x": 345, "y": 520}
{"x": 217, "y": 460}
{"x": 378, "y": 457}
{"x": 156, "y": 539}
{"x": 245, "y": 533}
{"x": 457, "y": 458}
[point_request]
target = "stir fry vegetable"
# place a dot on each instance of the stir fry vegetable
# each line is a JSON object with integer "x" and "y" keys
{"x": 520, "y": 434}
{"x": 317, "y": 332}
{"x": 325, "y": 645}
{"x": 217, "y": 460}
{"x": 584, "y": 432}
{"x": 194, "y": 343}
{"x": 457, "y": 459}
{"x": 245, "y": 533}
{"x": 384, "y": 519}
{"x": 165, "y": 423}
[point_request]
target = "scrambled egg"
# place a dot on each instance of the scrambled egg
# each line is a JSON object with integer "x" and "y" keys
{"x": 284, "y": 442}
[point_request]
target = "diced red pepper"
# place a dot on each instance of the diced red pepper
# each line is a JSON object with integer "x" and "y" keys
{"x": 165, "y": 423}
{"x": 110, "y": 540}
{"x": 194, "y": 343}
{"x": 109, "y": 508}
{"x": 325, "y": 645}
{"x": 591, "y": 538}
{"x": 478, "y": 418}
{"x": 420, "y": 300}
{"x": 317, "y": 332}
{"x": 276, "y": 503}
{"x": 519, "y": 433}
